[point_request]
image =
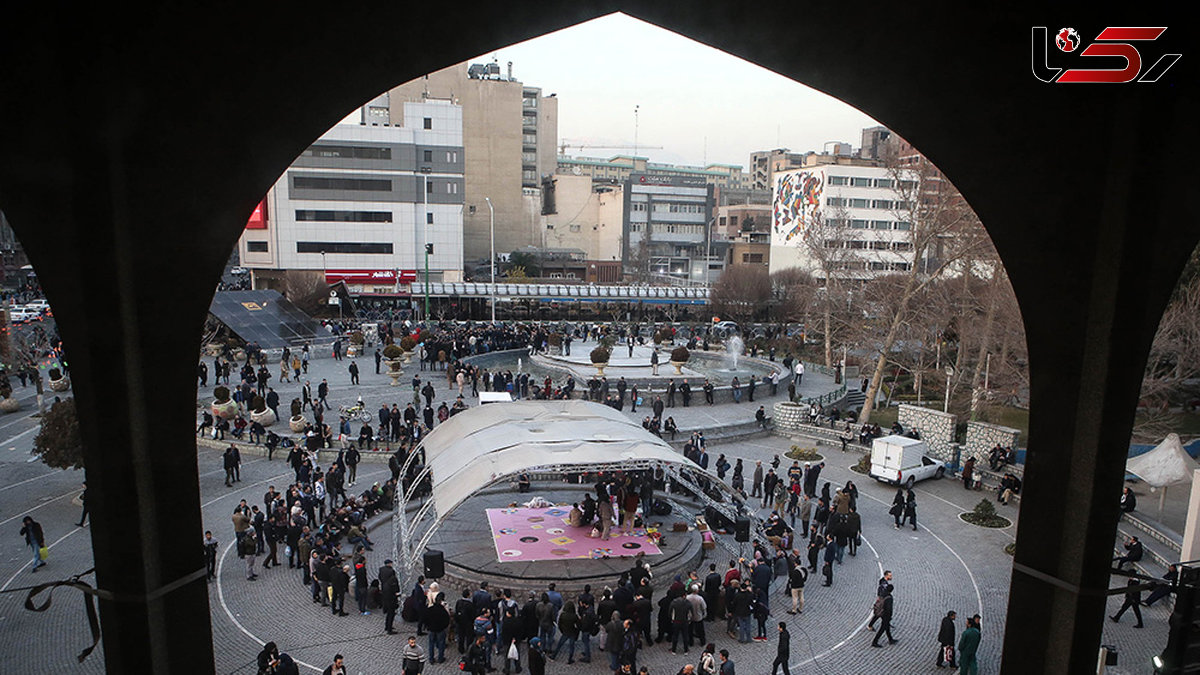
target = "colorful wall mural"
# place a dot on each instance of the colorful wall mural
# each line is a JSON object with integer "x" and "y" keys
{"x": 797, "y": 206}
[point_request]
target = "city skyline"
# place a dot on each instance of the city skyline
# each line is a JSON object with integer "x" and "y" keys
{"x": 692, "y": 129}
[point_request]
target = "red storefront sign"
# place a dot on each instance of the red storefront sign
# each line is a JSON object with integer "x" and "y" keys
{"x": 369, "y": 277}
{"x": 258, "y": 219}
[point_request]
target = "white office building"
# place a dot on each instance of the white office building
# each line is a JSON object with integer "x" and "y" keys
{"x": 847, "y": 221}
{"x": 364, "y": 201}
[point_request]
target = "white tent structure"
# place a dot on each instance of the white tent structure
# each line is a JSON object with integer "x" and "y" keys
{"x": 488, "y": 444}
{"x": 1166, "y": 465}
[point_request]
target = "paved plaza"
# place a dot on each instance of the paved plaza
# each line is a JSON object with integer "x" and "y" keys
{"x": 946, "y": 564}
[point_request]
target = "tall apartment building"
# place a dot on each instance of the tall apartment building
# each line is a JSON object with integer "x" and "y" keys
{"x": 666, "y": 229}
{"x": 588, "y": 216}
{"x": 842, "y": 220}
{"x": 510, "y": 132}
{"x": 364, "y": 200}
{"x": 764, "y": 164}
{"x": 620, "y": 167}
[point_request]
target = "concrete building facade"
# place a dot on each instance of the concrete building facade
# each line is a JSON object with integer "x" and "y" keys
{"x": 588, "y": 216}
{"x": 666, "y": 233}
{"x": 364, "y": 200}
{"x": 621, "y": 167}
{"x": 510, "y": 131}
{"x": 733, "y": 219}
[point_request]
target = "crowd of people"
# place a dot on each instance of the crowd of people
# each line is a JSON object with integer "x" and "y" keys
{"x": 497, "y": 629}
{"x": 321, "y": 526}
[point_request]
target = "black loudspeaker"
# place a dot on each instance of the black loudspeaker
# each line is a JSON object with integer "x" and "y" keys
{"x": 741, "y": 529}
{"x": 435, "y": 564}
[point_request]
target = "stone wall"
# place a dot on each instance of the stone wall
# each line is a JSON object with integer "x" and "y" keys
{"x": 982, "y": 437}
{"x": 936, "y": 427}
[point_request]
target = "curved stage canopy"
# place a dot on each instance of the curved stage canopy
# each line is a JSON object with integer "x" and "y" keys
{"x": 486, "y": 444}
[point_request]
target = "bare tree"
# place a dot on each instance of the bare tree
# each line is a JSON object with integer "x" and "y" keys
{"x": 793, "y": 292}
{"x": 740, "y": 292}
{"x": 943, "y": 234}
{"x": 1174, "y": 356}
{"x": 828, "y": 244}
{"x": 306, "y": 290}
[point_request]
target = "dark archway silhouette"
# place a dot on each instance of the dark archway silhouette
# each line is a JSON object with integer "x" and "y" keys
{"x": 179, "y": 118}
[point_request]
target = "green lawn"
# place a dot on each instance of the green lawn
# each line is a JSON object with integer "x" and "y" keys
{"x": 1017, "y": 418}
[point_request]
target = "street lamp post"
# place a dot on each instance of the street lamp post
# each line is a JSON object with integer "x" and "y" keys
{"x": 708, "y": 252}
{"x": 949, "y": 374}
{"x": 492, "y": 213}
{"x": 425, "y": 174}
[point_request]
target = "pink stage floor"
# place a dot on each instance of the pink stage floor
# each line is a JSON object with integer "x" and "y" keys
{"x": 524, "y": 535}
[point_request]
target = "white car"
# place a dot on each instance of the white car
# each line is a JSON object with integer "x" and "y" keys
{"x": 21, "y": 314}
{"x": 901, "y": 460}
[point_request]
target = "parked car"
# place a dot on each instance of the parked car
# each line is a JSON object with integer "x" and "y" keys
{"x": 40, "y": 305}
{"x": 725, "y": 329}
{"x": 21, "y": 314}
{"x": 901, "y": 460}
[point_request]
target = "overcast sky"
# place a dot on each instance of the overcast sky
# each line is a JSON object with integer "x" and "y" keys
{"x": 687, "y": 92}
{"x": 700, "y": 104}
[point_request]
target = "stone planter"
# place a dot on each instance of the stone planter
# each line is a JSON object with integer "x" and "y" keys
{"x": 297, "y": 424}
{"x": 226, "y": 410}
{"x": 61, "y": 384}
{"x": 407, "y": 357}
{"x": 600, "y": 368}
{"x": 394, "y": 370}
{"x": 678, "y": 366}
{"x": 265, "y": 418}
{"x": 789, "y": 416}
{"x": 10, "y": 404}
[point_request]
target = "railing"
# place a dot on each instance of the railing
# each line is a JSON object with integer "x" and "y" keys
{"x": 826, "y": 399}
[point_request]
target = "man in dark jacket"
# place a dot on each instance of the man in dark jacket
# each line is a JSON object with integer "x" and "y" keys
{"x": 614, "y": 632}
{"x": 34, "y": 538}
{"x": 712, "y": 591}
{"x": 477, "y": 656}
{"x": 1133, "y": 599}
{"x": 681, "y": 611}
{"x": 339, "y": 579}
{"x": 1166, "y": 589}
{"x": 945, "y": 655}
{"x": 783, "y": 653}
{"x": 464, "y": 620}
{"x": 1135, "y": 551}
{"x": 389, "y": 587}
{"x": 437, "y": 622}
{"x": 885, "y": 619}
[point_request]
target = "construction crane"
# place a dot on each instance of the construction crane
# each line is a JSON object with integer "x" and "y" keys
{"x": 562, "y": 147}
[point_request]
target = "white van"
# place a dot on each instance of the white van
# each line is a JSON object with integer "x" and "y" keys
{"x": 901, "y": 460}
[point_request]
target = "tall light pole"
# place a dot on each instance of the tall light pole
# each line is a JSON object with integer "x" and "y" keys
{"x": 949, "y": 374}
{"x": 708, "y": 252}
{"x": 492, "y": 213}
{"x": 425, "y": 175}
